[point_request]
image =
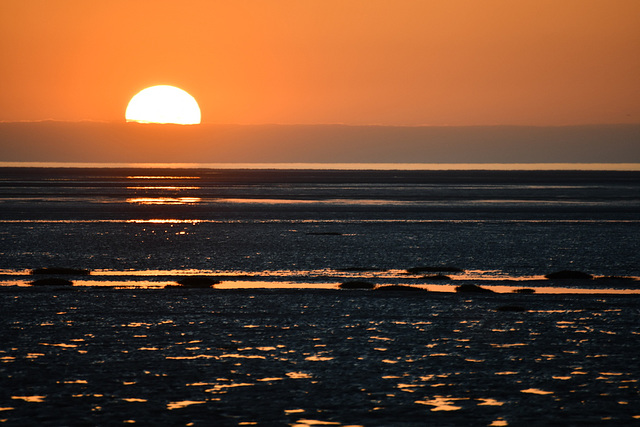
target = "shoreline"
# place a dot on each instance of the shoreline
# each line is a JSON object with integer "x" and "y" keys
{"x": 564, "y": 166}
{"x": 596, "y": 286}
{"x": 284, "y": 357}
{"x": 440, "y": 279}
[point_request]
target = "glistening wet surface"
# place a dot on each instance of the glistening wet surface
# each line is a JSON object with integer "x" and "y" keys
{"x": 494, "y": 280}
{"x": 309, "y": 357}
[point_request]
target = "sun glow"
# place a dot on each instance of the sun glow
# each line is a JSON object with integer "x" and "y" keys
{"x": 163, "y": 104}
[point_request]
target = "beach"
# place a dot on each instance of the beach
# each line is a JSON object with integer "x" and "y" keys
{"x": 272, "y": 339}
{"x": 102, "y": 356}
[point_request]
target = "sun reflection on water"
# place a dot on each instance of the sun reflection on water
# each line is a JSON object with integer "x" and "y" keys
{"x": 164, "y": 200}
{"x": 489, "y": 402}
{"x": 309, "y": 423}
{"x": 184, "y": 404}
{"x": 161, "y": 177}
{"x": 221, "y": 388}
{"x": 536, "y": 391}
{"x": 33, "y": 399}
{"x": 298, "y": 375}
{"x": 164, "y": 221}
{"x": 166, "y": 187}
{"x": 441, "y": 403}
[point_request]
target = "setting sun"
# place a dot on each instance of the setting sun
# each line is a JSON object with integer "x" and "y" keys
{"x": 163, "y": 104}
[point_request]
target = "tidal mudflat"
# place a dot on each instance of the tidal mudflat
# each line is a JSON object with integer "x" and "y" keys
{"x": 110, "y": 342}
{"x": 98, "y": 356}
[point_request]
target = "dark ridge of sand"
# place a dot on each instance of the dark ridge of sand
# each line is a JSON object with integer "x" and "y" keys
{"x": 400, "y": 288}
{"x": 569, "y": 275}
{"x": 357, "y": 284}
{"x": 198, "y": 282}
{"x": 468, "y": 288}
{"x": 52, "y": 281}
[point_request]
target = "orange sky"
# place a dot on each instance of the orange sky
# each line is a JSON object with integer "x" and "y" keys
{"x": 393, "y": 62}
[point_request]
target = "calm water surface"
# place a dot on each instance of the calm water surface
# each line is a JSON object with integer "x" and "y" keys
{"x": 286, "y": 225}
{"x": 95, "y": 355}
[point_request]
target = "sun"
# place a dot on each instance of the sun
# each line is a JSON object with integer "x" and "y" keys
{"x": 163, "y": 104}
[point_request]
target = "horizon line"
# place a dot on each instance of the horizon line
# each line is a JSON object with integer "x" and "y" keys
{"x": 560, "y": 166}
{"x": 134, "y": 123}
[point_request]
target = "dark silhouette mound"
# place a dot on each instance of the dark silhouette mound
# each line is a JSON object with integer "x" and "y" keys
{"x": 569, "y": 275}
{"x": 52, "y": 281}
{"x": 438, "y": 277}
{"x": 61, "y": 270}
{"x": 401, "y": 288}
{"x": 524, "y": 291}
{"x": 357, "y": 284}
{"x": 473, "y": 289}
{"x": 198, "y": 282}
{"x": 511, "y": 308}
{"x": 435, "y": 269}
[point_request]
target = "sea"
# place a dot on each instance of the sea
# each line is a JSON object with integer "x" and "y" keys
{"x": 318, "y": 225}
{"x": 278, "y": 340}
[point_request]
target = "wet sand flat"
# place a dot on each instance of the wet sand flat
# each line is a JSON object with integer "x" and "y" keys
{"x": 98, "y": 356}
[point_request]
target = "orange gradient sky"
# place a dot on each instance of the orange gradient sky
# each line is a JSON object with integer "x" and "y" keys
{"x": 393, "y": 62}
